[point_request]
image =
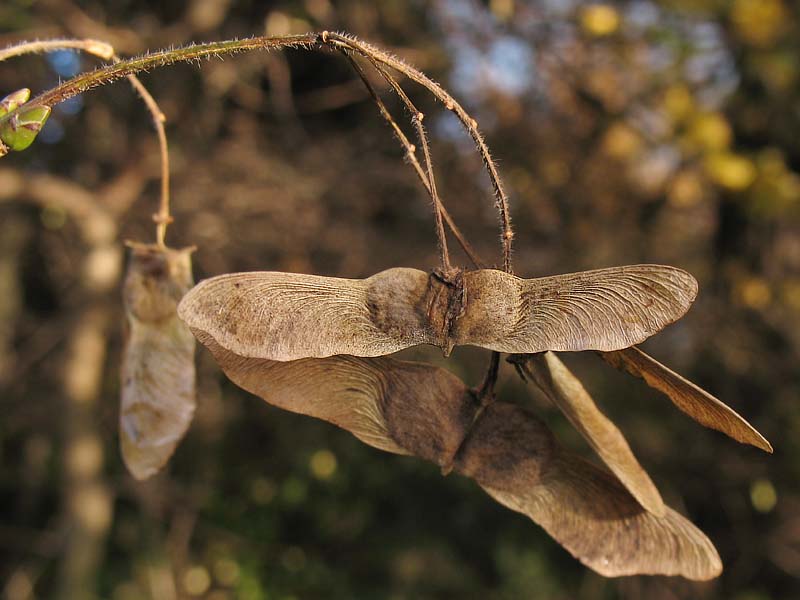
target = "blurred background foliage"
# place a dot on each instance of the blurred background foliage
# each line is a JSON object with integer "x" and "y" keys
{"x": 638, "y": 131}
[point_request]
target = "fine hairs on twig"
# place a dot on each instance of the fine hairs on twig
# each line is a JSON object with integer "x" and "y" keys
{"x": 411, "y": 156}
{"x": 87, "y": 81}
{"x": 376, "y": 55}
{"x": 485, "y": 392}
{"x": 106, "y": 52}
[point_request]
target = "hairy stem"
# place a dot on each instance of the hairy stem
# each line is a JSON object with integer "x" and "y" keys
{"x": 87, "y": 81}
{"x": 375, "y": 54}
{"x": 411, "y": 156}
{"x": 106, "y": 52}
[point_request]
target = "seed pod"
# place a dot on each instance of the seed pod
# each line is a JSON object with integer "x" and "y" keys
{"x": 515, "y": 459}
{"x": 417, "y": 409}
{"x": 688, "y": 397}
{"x": 158, "y": 373}
{"x": 286, "y": 316}
{"x": 565, "y": 390}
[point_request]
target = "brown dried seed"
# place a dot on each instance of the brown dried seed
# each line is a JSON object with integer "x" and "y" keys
{"x": 517, "y": 462}
{"x": 158, "y": 373}
{"x": 417, "y": 409}
{"x": 688, "y": 397}
{"x": 565, "y": 390}
{"x": 285, "y": 316}
{"x": 396, "y": 406}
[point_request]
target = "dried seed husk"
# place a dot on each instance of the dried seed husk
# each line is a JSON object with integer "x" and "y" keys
{"x": 287, "y": 316}
{"x": 688, "y": 397}
{"x": 516, "y": 460}
{"x": 158, "y": 395}
{"x": 396, "y": 406}
{"x": 417, "y": 409}
{"x": 566, "y": 391}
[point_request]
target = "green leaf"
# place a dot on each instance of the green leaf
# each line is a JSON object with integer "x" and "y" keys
{"x": 21, "y": 129}
{"x": 14, "y": 100}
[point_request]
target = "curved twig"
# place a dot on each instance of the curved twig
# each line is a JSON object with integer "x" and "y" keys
{"x": 375, "y": 54}
{"x": 105, "y": 51}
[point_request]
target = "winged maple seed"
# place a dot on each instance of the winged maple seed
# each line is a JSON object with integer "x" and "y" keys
{"x": 565, "y": 390}
{"x": 287, "y": 316}
{"x": 158, "y": 373}
{"x": 420, "y": 410}
{"x": 688, "y": 397}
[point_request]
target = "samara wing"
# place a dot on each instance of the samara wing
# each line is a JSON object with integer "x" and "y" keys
{"x": 158, "y": 373}
{"x": 605, "y": 309}
{"x": 416, "y": 409}
{"x": 688, "y": 397}
{"x": 566, "y": 391}
{"x": 288, "y": 316}
{"x": 515, "y": 458}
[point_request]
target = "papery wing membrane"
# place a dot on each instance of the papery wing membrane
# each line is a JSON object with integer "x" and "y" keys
{"x": 417, "y": 409}
{"x": 688, "y": 397}
{"x": 514, "y": 457}
{"x": 606, "y": 309}
{"x": 288, "y": 316}
{"x": 566, "y": 391}
{"x": 396, "y": 406}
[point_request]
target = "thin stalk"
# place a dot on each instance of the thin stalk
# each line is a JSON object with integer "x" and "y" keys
{"x": 162, "y": 218}
{"x": 101, "y": 76}
{"x": 422, "y": 136}
{"x": 93, "y": 47}
{"x": 87, "y": 81}
{"x": 501, "y": 199}
{"x": 411, "y": 156}
{"x": 106, "y": 52}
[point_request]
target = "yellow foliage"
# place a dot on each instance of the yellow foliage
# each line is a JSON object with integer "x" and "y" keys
{"x": 196, "y": 580}
{"x": 763, "y": 495}
{"x": 323, "y": 464}
{"x": 753, "y": 292}
{"x": 621, "y": 141}
{"x": 686, "y": 190}
{"x": 710, "y": 132}
{"x": 503, "y": 10}
{"x": 600, "y": 19}
{"x": 678, "y": 102}
{"x": 733, "y": 171}
{"x": 758, "y": 22}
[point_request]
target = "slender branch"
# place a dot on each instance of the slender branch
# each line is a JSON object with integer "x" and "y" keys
{"x": 411, "y": 156}
{"x": 162, "y": 218}
{"x": 87, "y": 81}
{"x": 105, "y": 51}
{"x": 93, "y": 47}
{"x": 101, "y": 76}
{"x": 416, "y": 119}
{"x": 375, "y": 54}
